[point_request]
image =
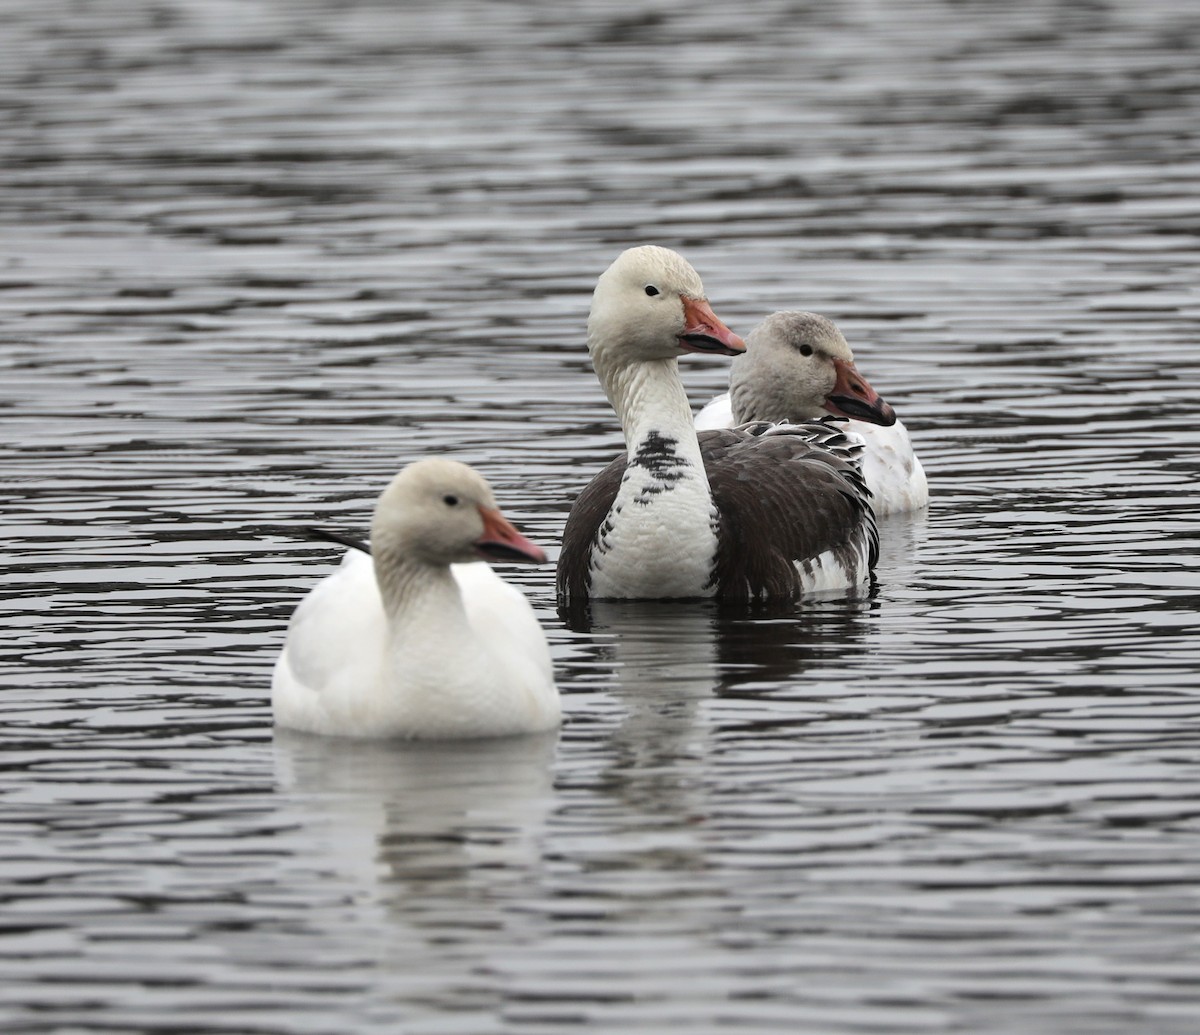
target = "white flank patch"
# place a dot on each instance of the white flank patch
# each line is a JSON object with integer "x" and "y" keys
{"x": 827, "y": 572}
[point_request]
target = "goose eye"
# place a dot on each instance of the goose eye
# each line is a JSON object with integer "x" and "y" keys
{"x": 651, "y": 290}
{"x": 806, "y": 350}
{"x": 450, "y": 501}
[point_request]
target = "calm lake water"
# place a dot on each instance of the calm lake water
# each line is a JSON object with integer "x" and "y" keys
{"x": 258, "y": 254}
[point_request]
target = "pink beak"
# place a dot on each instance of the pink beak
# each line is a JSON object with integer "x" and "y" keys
{"x": 501, "y": 542}
{"x": 853, "y": 397}
{"x": 703, "y": 332}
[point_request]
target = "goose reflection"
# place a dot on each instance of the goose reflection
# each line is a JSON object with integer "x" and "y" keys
{"x": 901, "y": 537}
{"x": 691, "y": 650}
{"x": 438, "y": 830}
{"x": 676, "y": 668}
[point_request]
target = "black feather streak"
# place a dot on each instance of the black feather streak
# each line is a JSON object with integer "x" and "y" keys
{"x": 657, "y": 456}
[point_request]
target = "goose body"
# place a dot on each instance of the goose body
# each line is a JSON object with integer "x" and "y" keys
{"x": 418, "y": 639}
{"x": 752, "y": 513}
{"x": 797, "y": 367}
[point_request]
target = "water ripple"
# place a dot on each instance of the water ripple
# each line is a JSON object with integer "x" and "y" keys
{"x": 260, "y": 255}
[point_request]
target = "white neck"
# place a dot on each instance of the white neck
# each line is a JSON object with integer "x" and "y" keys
{"x": 424, "y": 607}
{"x": 410, "y": 589}
{"x": 649, "y": 399}
{"x": 664, "y": 488}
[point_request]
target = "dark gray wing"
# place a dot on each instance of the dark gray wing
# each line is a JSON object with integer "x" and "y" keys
{"x": 785, "y": 493}
{"x": 582, "y": 531}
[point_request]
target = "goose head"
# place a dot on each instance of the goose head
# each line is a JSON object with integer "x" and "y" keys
{"x": 650, "y": 305}
{"x": 798, "y": 365}
{"x": 441, "y": 512}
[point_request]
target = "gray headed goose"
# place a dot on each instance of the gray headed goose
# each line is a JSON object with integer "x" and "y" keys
{"x": 411, "y": 640}
{"x": 764, "y": 512}
{"x": 797, "y": 367}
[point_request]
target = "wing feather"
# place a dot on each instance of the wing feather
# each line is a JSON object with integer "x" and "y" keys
{"x": 582, "y": 531}
{"x": 786, "y": 494}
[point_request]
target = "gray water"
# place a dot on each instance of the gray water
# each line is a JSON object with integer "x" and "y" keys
{"x": 259, "y": 254}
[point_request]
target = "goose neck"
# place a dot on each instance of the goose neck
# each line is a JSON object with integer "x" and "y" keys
{"x": 413, "y": 592}
{"x": 650, "y": 401}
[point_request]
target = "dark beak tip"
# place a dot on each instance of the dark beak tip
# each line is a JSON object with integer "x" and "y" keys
{"x": 496, "y": 551}
{"x": 712, "y": 346}
{"x": 878, "y": 412}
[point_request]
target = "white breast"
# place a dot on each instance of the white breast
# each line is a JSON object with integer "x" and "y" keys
{"x": 341, "y": 673}
{"x": 657, "y": 544}
{"x": 717, "y": 413}
{"x": 893, "y": 473}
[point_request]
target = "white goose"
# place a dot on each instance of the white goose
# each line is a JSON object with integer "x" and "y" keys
{"x": 411, "y": 641}
{"x": 798, "y": 366}
{"x": 757, "y": 513}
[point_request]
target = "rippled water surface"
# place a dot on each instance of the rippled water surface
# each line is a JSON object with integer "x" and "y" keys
{"x": 258, "y": 254}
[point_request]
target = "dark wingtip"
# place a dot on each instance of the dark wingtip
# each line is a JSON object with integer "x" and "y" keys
{"x": 326, "y": 536}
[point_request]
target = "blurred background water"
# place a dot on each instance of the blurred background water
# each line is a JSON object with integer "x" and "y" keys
{"x": 258, "y": 254}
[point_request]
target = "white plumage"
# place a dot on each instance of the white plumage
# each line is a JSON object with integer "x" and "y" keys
{"x": 417, "y": 640}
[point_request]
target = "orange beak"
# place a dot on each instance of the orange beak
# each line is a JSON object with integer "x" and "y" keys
{"x": 501, "y": 542}
{"x": 703, "y": 332}
{"x": 853, "y": 397}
